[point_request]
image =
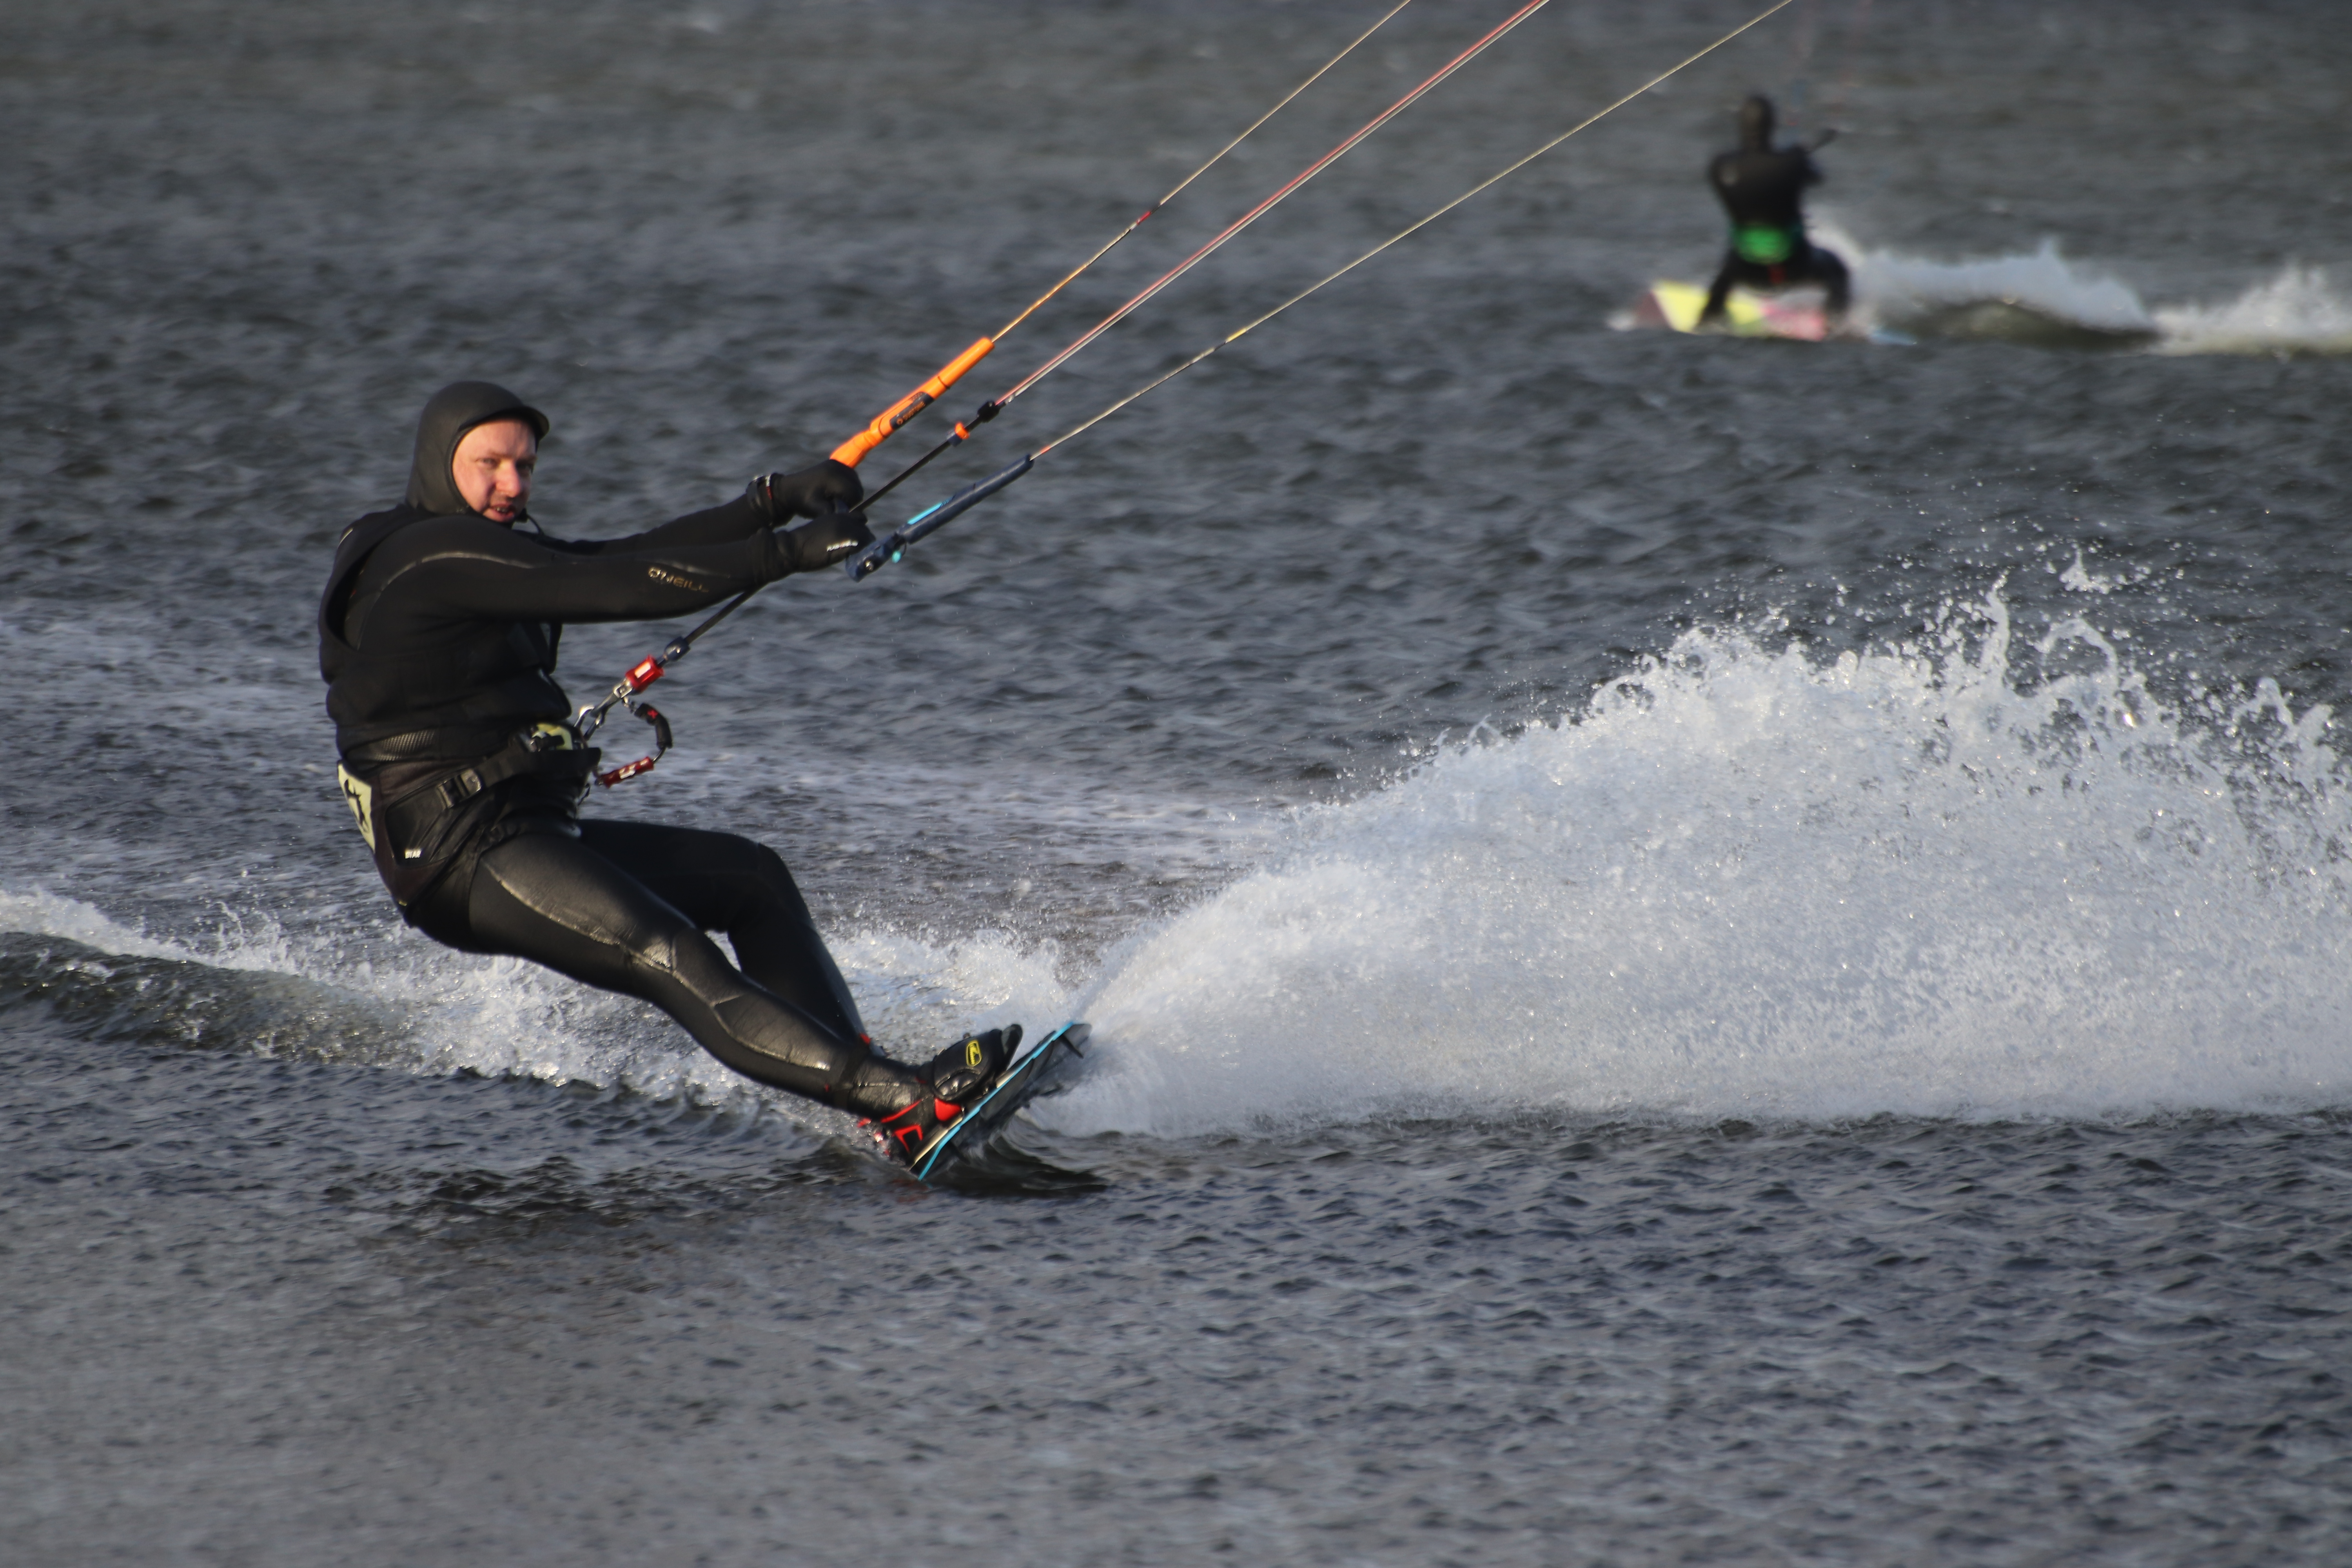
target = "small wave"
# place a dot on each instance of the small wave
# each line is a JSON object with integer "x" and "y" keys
{"x": 254, "y": 989}
{"x": 1745, "y": 883}
{"x": 253, "y": 986}
{"x": 95, "y": 994}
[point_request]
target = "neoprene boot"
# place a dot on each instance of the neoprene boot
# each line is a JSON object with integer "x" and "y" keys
{"x": 955, "y": 1079}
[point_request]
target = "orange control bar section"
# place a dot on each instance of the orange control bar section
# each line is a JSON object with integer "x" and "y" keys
{"x": 887, "y": 423}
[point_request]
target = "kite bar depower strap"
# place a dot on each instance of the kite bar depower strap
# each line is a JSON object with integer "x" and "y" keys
{"x": 885, "y": 424}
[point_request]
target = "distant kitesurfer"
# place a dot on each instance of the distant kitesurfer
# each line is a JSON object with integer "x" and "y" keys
{"x": 1762, "y": 189}
{"x": 437, "y": 637}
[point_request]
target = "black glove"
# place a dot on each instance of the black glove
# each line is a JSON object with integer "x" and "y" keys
{"x": 810, "y": 492}
{"x": 827, "y": 542}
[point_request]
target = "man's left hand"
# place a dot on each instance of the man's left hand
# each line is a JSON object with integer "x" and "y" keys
{"x": 826, "y": 541}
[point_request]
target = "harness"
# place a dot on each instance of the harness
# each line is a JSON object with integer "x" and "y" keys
{"x": 1766, "y": 244}
{"x": 418, "y": 831}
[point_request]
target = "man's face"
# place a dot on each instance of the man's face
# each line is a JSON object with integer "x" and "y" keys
{"x": 492, "y": 468}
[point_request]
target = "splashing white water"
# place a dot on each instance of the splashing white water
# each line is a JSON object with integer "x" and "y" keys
{"x": 1743, "y": 883}
{"x": 1897, "y": 290}
{"x": 2296, "y": 312}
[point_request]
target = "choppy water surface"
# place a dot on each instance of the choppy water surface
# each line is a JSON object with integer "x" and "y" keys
{"x": 1702, "y": 950}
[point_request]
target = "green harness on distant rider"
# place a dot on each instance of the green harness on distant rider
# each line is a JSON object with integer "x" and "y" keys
{"x": 1766, "y": 244}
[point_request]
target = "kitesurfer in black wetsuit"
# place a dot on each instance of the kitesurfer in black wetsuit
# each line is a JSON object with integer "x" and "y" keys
{"x": 437, "y": 636}
{"x": 1762, "y": 189}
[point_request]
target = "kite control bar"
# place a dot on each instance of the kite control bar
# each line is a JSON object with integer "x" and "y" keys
{"x": 627, "y": 690}
{"x": 883, "y": 551}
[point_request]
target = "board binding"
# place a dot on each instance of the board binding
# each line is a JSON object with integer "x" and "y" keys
{"x": 1041, "y": 1070}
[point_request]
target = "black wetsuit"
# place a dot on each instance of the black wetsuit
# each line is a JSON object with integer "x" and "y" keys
{"x": 1762, "y": 188}
{"x": 437, "y": 635}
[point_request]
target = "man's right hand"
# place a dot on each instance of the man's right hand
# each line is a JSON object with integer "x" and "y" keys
{"x": 808, "y": 492}
{"x": 827, "y": 541}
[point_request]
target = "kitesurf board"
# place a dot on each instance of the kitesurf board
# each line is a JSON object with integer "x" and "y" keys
{"x": 1043, "y": 1069}
{"x": 1747, "y": 314}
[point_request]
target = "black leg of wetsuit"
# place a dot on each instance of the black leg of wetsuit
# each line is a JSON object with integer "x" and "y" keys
{"x": 1724, "y": 277}
{"x": 564, "y": 902}
{"x": 724, "y": 882}
{"x": 1814, "y": 265}
{"x": 1830, "y": 270}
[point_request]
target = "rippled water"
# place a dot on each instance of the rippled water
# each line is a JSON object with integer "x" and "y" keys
{"x": 1700, "y": 951}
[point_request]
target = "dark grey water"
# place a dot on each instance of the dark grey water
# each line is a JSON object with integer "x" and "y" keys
{"x": 1704, "y": 951}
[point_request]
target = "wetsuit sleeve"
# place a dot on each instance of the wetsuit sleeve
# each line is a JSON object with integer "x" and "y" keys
{"x": 1723, "y": 173}
{"x": 739, "y": 519}
{"x": 470, "y": 570}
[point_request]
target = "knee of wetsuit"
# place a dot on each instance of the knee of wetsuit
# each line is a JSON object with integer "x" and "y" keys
{"x": 657, "y": 950}
{"x": 769, "y": 865}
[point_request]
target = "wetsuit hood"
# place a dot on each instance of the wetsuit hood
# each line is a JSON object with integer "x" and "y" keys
{"x": 448, "y": 415}
{"x": 1755, "y": 124}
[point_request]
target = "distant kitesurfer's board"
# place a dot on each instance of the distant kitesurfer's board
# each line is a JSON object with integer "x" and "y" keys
{"x": 1044, "y": 1068}
{"x": 1747, "y": 315}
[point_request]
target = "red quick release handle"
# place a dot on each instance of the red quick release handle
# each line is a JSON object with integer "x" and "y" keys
{"x": 627, "y": 771}
{"x": 651, "y": 715}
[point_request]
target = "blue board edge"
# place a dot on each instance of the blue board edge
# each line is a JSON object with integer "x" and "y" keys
{"x": 1028, "y": 1066}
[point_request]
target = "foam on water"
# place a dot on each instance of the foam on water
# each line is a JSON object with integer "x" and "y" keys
{"x": 1746, "y": 883}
